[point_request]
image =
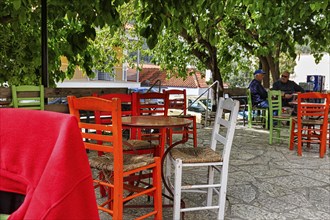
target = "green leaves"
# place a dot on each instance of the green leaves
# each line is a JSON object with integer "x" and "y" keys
{"x": 71, "y": 31}
{"x": 226, "y": 36}
{"x": 254, "y": 28}
{"x": 320, "y": 5}
{"x": 17, "y": 4}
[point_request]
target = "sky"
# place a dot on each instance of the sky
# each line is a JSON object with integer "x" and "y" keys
{"x": 306, "y": 66}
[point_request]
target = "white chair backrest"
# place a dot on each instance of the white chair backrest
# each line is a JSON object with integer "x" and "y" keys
{"x": 224, "y": 125}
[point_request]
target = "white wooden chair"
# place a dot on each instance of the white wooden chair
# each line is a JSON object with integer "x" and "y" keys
{"x": 215, "y": 158}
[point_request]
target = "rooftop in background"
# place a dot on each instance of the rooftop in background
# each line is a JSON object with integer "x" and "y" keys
{"x": 86, "y": 83}
{"x": 151, "y": 73}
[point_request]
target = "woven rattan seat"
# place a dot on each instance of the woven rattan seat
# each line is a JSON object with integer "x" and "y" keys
{"x": 137, "y": 145}
{"x": 311, "y": 122}
{"x": 283, "y": 116}
{"x": 131, "y": 162}
{"x": 196, "y": 155}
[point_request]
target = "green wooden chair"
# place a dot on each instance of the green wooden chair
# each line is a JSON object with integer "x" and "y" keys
{"x": 256, "y": 115}
{"x": 4, "y": 216}
{"x": 28, "y": 96}
{"x": 278, "y": 121}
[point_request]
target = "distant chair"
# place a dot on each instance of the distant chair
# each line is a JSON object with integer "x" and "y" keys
{"x": 329, "y": 121}
{"x": 28, "y": 96}
{"x": 256, "y": 115}
{"x": 208, "y": 158}
{"x": 151, "y": 104}
{"x": 132, "y": 144}
{"x": 177, "y": 100}
{"x": 311, "y": 124}
{"x": 278, "y": 122}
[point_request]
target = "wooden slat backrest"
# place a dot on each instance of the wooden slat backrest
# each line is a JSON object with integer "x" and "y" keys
{"x": 33, "y": 97}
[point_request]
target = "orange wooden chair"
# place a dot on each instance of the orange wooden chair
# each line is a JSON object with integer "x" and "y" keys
{"x": 115, "y": 169}
{"x": 311, "y": 123}
{"x": 151, "y": 103}
{"x": 177, "y": 99}
{"x": 131, "y": 144}
{"x": 329, "y": 122}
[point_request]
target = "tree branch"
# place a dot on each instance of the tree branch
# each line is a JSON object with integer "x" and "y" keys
{"x": 202, "y": 56}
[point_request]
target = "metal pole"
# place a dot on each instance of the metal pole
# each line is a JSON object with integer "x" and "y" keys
{"x": 44, "y": 45}
{"x": 138, "y": 66}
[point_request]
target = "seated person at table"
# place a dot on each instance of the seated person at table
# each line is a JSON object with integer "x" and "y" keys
{"x": 287, "y": 87}
{"x": 258, "y": 92}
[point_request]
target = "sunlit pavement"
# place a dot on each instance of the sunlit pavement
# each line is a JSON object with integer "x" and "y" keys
{"x": 265, "y": 181}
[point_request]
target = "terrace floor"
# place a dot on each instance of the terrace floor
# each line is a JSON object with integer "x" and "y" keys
{"x": 265, "y": 181}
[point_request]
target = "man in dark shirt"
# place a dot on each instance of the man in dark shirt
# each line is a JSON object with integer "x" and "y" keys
{"x": 287, "y": 87}
{"x": 258, "y": 92}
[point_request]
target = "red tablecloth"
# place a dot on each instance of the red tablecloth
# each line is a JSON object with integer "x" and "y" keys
{"x": 43, "y": 157}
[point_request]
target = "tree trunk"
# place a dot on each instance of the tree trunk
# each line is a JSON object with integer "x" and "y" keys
{"x": 216, "y": 94}
{"x": 271, "y": 67}
{"x": 216, "y": 75}
{"x": 276, "y": 73}
{"x": 265, "y": 67}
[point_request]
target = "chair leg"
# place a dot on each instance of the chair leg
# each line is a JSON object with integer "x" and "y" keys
{"x": 309, "y": 135}
{"x": 323, "y": 140}
{"x": 177, "y": 189}
{"x": 299, "y": 145}
{"x": 195, "y": 132}
{"x": 278, "y": 133}
{"x": 292, "y": 134}
{"x": 186, "y": 133}
{"x": 169, "y": 134}
{"x": 118, "y": 205}
{"x": 271, "y": 129}
{"x": 167, "y": 177}
{"x": 158, "y": 192}
{"x": 102, "y": 189}
{"x": 249, "y": 119}
{"x": 210, "y": 182}
{"x": 223, "y": 192}
{"x": 266, "y": 118}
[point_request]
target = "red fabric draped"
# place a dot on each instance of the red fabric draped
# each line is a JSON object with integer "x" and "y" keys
{"x": 43, "y": 157}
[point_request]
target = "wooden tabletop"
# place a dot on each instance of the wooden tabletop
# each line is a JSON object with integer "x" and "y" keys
{"x": 155, "y": 121}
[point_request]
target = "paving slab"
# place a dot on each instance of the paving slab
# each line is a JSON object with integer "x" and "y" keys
{"x": 265, "y": 181}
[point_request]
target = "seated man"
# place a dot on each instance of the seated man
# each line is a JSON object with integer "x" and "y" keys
{"x": 287, "y": 87}
{"x": 258, "y": 92}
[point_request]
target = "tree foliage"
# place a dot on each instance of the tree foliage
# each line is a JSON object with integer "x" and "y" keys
{"x": 220, "y": 33}
{"x": 71, "y": 29}
{"x": 229, "y": 37}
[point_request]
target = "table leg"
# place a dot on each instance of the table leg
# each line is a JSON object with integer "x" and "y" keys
{"x": 168, "y": 192}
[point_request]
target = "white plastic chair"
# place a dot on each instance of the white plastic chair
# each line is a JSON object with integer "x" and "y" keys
{"x": 211, "y": 157}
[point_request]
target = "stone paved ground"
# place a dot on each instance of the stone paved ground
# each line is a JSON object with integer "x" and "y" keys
{"x": 266, "y": 181}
